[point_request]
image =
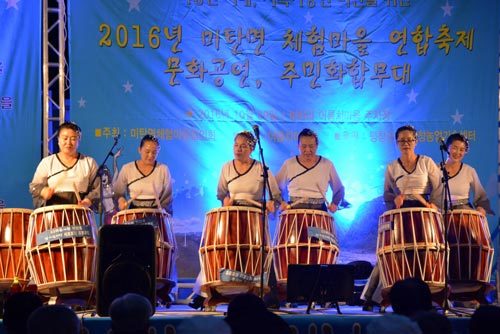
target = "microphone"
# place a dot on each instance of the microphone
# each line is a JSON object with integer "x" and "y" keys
{"x": 443, "y": 145}
{"x": 117, "y": 137}
{"x": 256, "y": 130}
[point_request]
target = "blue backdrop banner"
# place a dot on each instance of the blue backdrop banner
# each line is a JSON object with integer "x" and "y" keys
{"x": 20, "y": 99}
{"x": 196, "y": 72}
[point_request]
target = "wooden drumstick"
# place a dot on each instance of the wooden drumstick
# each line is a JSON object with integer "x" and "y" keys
{"x": 323, "y": 195}
{"x": 421, "y": 199}
{"x": 297, "y": 202}
{"x": 133, "y": 198}
{"x": 157, "y": 200}
{"x": 257, "y": 204}
{"x": 75, "y": 189}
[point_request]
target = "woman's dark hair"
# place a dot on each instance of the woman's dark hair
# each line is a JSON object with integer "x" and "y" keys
{"x": 249, "y": 138}
{"x": 149, "y": 137}
{"x": 308, "y": 133}
{"x": 460, "y": 137}
{"x": 71, "y": 126}
{"x": 406, "y": 128}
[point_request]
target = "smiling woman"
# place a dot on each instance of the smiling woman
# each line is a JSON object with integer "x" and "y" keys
{"x": 66, "y": 177}
{"x": 145, "y": 183}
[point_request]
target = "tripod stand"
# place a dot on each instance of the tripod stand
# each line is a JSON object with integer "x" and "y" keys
{"x": 263, "y": 234}
{"x": 447, "y": 210}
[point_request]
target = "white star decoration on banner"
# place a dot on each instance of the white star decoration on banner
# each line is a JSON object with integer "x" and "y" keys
{"x": 308, "y": 17}
{"x": 412, "y": 96}
{"x": 457, "y": 117}
{"x": 82, "y": 103}
{"x": 127, "y": 87}
{"x": 447, "y": 9}
{"x": 134, "y": 4}
{"x": 12, "y": 4}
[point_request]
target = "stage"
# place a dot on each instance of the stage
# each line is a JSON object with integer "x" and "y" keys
{"x": 352, "y": 319}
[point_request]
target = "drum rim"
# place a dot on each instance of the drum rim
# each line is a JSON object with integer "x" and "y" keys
{"x": 139, "y": 210}
{"x": 320, "y": 212}
{"x": 59, "y": 207}
{"x": 402, "y": 210}
{"x": 20, "y": 210}
{"x": 235, "y": 208}
{"x": 474, "y": 212}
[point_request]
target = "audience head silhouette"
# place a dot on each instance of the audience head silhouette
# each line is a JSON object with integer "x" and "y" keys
{"x": 410, "y": 296}
{"x": 484, "y": 319}
{"x": 247, "y": 313}
{"x": 130, "y": 314}
{"x": 17, "y": 310}
{"x": 431, "y": 322}
{"x": 203, "y": 324}
{"x": 53, "y": 319}
{"x": 393, "y": 324}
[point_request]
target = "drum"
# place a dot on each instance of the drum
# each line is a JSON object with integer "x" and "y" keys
{"x": 165, "y": 238}
{"x": 13, "y": 231}
{"x": 471, "y": 250}
{"x": 61, "y": 249}
{"x": 410, "y": 243}
{"x": 230, "y": 248}
{"x": 303, "y": 237}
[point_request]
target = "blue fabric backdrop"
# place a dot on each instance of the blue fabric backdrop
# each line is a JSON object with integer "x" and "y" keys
{"x": 20, "y": 99}
{"x": 194, "y": 73}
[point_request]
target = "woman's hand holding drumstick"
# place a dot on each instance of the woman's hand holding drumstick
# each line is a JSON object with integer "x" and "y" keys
{"x": 332, "y": 207}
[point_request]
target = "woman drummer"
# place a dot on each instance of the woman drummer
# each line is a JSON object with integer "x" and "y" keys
{"x": 145, "y": 182}
{"x": 412, "y": 180}
{"x": 307, "y": 177}
{"x": 241, "y": 183}
{"x": 67, "y": 177}
{"x": 463, "y": 179}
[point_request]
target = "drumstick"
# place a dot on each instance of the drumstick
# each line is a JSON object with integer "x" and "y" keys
{"x": 156, "y": 198}
{"x": 322, "y": 195}
{"x": 133, "y": 198}
{"x": 297, "y": 202}
{"x": 249, "y": 200}
{"x": 78, "y": 198}
{"x": 420, "y": 199}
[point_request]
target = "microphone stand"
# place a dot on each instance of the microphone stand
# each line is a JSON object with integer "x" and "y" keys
{"x": 99, "y": 173}
{"x": 447, "y": 209}
{"x": 265, "y": 176}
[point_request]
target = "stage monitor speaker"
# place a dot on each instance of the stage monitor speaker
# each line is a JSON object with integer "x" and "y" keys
{"x": 125, "y": 264}
{"x": 320, "y": 283}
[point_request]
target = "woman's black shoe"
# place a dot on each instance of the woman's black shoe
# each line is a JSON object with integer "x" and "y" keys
{"x": 197, "y": 302}
{"x": 368, "y": 305}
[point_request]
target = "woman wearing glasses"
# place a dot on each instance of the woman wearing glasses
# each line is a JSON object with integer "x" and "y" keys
{"x": 67, "y": 177}
{"x": 412, "y": 180}
{"x": 307, "y": 177}
{"x": 145, "y": 183}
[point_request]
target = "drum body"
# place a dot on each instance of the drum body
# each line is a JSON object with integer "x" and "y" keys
{"x": 230, "y": 248}
{"x": 61, "y": 248}
{"x": 410, "y": 243}
{"x": 471, "y": 250}
{"x": 165, "y": 238}
{"x": 14, "y": 225}
{"x": 303, "y": 237}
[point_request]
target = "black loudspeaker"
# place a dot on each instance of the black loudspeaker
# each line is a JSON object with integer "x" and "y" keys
{"x": 320, "y": 283}
{"x": 125, "y": 264}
